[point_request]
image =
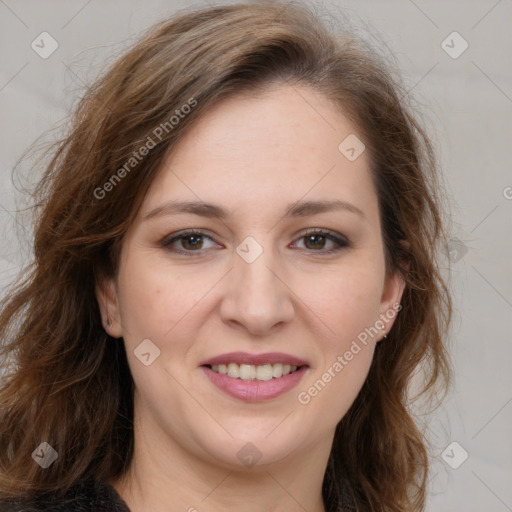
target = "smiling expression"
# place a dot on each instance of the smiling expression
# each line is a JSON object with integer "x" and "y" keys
{"x": 285, "y": 256}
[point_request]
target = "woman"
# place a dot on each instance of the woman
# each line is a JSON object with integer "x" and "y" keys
{"x": 234, "y": 283}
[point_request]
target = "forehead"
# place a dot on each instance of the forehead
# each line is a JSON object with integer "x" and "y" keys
{"x": 249, "y": 152}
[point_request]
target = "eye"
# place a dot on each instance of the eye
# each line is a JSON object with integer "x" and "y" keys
{"x": 191, "y": 241}
{"x": 316, "y": 239}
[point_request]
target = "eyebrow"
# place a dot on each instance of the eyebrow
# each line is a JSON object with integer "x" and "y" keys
{"x": 297, "y": 209}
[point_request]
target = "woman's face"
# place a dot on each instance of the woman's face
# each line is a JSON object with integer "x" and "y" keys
{"x": 255, "y": 281}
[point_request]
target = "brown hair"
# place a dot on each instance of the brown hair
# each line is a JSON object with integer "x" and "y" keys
{"x": 71, "y": 384}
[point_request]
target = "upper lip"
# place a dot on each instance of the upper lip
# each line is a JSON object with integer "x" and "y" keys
{"x": 255, "y": 359}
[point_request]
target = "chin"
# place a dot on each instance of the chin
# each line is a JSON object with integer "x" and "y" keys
{"x": 248, "y": 449}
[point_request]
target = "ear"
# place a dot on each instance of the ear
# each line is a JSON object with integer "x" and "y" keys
{"x": 392, "y": 293}
{"x": 106, "y": 295}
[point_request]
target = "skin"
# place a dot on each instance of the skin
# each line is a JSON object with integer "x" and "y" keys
{"x": 254, "y": 156}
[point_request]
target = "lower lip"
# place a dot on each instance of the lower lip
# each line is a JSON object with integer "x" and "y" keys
{"x": 255, "y": 390}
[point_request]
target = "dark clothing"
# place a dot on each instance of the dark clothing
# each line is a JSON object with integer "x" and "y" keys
{"x": 86, "y": 496}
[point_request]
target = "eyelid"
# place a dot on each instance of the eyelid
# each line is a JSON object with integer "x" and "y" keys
{"x": 324, "y": 231}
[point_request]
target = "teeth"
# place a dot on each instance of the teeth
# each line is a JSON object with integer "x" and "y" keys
{"x": 277, "y": 370}
{"x": 247, "y": 371}
{"x": 233, "y": 370}
{"x": 264, "y": 372}
{"x": 253, "y": 372}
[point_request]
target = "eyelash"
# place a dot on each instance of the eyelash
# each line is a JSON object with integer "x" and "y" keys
{"x": 340, "y": 241}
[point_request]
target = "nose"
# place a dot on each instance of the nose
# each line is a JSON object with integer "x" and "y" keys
{"x": 257, "y": 296}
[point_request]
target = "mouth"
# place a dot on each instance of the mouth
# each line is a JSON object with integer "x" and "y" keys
{"x": 255, "y": 377}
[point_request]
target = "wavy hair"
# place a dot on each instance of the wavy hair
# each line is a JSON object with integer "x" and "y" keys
{"x": 70, "y": 384}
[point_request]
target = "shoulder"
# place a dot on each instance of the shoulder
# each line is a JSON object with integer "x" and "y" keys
{"x": 84, "y": 496}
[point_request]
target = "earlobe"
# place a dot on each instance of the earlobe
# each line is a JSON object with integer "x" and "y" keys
{"x": 107, "y": 301}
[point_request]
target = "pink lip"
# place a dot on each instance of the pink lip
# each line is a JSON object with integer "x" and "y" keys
{"x": 254, "y": 390}
{"x": 255, "y": 359}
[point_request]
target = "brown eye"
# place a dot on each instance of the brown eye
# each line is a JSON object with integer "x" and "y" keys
{"x": 316, "y": 240}
{"x": 191, "y": 242}
{"x": 188, "y": 242}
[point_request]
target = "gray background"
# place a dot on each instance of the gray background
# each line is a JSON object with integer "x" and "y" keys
{"x": 467, "y": 103}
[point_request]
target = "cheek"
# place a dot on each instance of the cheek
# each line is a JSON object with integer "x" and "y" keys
{"x": 347, "y": 303}
{"x": 346, "y": 300}
{"x": 153, "y": 300}
{"x": 157, "y": 300}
